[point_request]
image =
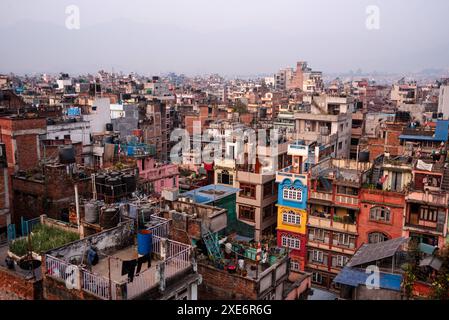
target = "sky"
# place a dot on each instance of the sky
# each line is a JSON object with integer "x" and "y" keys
{"x": 229, "y": 37}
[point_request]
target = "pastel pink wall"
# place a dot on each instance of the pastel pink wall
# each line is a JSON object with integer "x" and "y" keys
{"x": 163, "y": 176}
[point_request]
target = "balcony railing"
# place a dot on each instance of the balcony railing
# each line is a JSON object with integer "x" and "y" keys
{"x": 326, "y": 223}
{"x": 321, "y": 195}
{"x": 177, "y": 260}
{"x": 353, "y": 201}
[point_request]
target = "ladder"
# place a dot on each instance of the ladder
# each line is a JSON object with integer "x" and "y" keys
{"x": 211, "y": 242}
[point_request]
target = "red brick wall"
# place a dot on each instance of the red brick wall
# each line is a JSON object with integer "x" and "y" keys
{"x": 220, "y": 285}
{"x": 372, "y": 198}
{"x": 16, "y": 285}
{"x": 299, "y": 255}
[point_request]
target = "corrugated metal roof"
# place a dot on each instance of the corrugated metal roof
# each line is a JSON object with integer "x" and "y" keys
{"x": 376, "y": 251}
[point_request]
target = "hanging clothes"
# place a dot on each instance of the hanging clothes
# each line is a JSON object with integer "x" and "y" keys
{"x": 142, "y": 260}
{"x": 129, "y": 268}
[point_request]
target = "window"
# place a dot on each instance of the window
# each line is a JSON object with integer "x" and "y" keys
{"x": 340, "y": 145}
{"x": 291, "y": 217}
{"x": 247, "y": 190}
{"x": 396, "y": 181}
{"x": 344, "y": 240}
{"x": 318, "y": 235}
{"x": 428, "y": 214}
{"x": 292, "y": 193}
{"x": 225, "y": 178}
{"x": 317, "y": 256}
{"x": 247, "y": 213}
{"x": 268, "y": 189}
{"x": 294, "y": 265}
{"x": 269, "y": 211}
{"x": 290, "y": 241}
{"x": 317, "y": 277}
{"x": 376, "y": 237}
{"x": 380, "y": 214}
{"x": 339, "y": 261}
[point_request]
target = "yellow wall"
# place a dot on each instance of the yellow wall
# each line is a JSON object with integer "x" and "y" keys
{"x": 291, "y": 227}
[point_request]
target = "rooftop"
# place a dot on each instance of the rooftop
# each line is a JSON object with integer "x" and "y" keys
{"x": 210, "y": 193}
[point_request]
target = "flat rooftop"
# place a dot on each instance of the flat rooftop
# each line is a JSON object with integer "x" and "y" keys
{"x": 210, "y": 193}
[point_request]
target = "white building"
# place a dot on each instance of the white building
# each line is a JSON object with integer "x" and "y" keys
{"x": 443, "y": 102}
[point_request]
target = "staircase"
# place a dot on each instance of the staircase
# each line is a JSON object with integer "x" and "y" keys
{"x": 445, "y": 182}
{"x": 211, "y": 242}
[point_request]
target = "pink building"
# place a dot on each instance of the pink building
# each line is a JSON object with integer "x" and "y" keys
{"x": 155, "y": 176}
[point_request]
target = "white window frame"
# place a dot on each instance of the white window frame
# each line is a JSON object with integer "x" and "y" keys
{"x": 316, "y": 276}
{"x": 382, "y": 214}
{"x": 290, "y": 217}
{"x": 318, "y": 256}
{"x": 294, "y": 265}
{"x": 342, "y": 260}
{"x": 289, "y": 241}
{"x": 292, "y": 193}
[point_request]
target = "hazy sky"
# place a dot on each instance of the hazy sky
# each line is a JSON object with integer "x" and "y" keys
{"x": 230, "y": 37}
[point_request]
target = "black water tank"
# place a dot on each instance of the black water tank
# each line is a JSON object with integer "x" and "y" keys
{"x": 67, "y": 154}
{"x": 100, "y": 180}
{"x": 109, "y": 127}
{"x": 364, "y": 156}
{"x": 130, "y": 182}
{"x": 114, "y": 187}
{"x": 109, "y": 217}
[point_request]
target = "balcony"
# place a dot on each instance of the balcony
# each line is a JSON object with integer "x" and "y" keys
{"x": 298, "y": 149}
{"x": 347, "y": 200}
{"x": 325, "y": 223}
{"x": 287, "y": 173}
{"x": 439, "y": 199}
{"x": 321, "y": 195}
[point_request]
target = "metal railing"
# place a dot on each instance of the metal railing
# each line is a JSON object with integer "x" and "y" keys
{"x": 99, "y": 286}
{"x": 57, "y": 268}
{"x": 141, "y": 283}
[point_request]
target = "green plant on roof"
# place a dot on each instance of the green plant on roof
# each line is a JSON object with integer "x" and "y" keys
{"x": 43, "y": 238}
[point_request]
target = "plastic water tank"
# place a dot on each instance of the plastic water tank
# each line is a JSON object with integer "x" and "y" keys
{"x": 91, "y": 212}
{"x": 364, "y": 156}
{"x": 130, "y": 182}
{"x": 67, "y": 154}
{"x": 144, "y": 242}
{"x": 109, "y": 217}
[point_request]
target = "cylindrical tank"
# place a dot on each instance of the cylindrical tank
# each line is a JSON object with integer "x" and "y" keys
{"x": 109, "y": 127}
{"x": 67, "y": 154}
{"x": 114, "y": 186}
{"x": 91, "y": 212}
{"x": 144, "y": 242}
{"x": 109, "y": 217}
{"x": 364, "y": 156}
{"x": 228, "y": 248}
{"x": 130, "y": 182}
{"x": 100, "y": 180}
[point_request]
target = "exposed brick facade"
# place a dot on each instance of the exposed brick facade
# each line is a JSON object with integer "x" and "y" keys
{"x": 18, "y": 287}
{"x": 394, "y": 201}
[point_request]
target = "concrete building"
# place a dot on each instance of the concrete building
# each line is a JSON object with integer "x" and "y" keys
{"x": 328, "y": 120}
{"x": 443, "y": 101}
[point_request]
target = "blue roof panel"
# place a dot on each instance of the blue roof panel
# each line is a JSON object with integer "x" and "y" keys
{"x": 356, "y": 277}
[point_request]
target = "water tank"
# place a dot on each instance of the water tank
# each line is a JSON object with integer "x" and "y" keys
{"x": 67, "y": 154}
{"x": 144, "y": 242}
{"x": 100, "y": 180}
{"x": 109, "y": 127}
{"x": 109, "y": 217}
{"x": 114, "y": 186}
{"x": 364, "y": 156}
{"x": 130, "y": 182}
{"x": 91, "y": 212}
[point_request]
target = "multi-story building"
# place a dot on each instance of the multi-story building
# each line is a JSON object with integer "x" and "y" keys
{"x": 328, "y": 120}
{"x": 292, "y": 205}
{"x": 426, "y": 212}
{"x": 333, "y": 208}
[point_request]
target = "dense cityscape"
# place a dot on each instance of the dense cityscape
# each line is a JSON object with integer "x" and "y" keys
{"x": 292, "y": 184}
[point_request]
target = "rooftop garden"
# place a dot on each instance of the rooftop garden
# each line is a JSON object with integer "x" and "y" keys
{"x": 43, "y": 238}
